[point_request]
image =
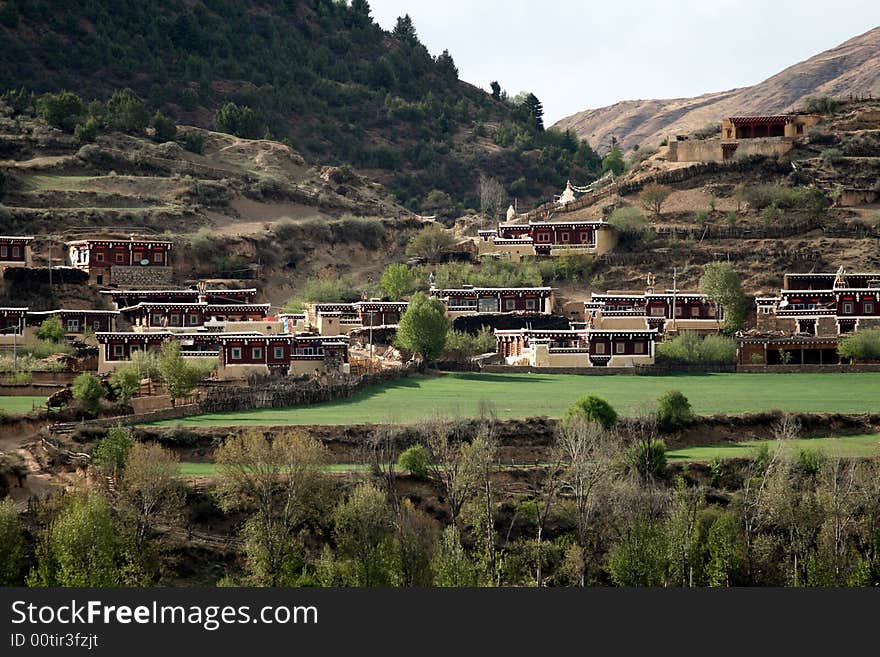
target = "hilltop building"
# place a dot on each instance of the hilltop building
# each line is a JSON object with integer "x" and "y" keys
{"x": 771, "y": 135}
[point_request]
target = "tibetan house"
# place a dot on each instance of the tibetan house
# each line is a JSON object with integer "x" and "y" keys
{"x": 470, "y": 300}
{"x": 124, "y": 298}
{"x": 151, "y": 316}
{"x": 15, "y": 251}
{"x": 584, "y": 347}
{"x": 138, "y": 261}
{"x": 547, "y": 238}
{"x": 345, "y": 318}
{"x": 239, "y": 356}
{"x": 75, "y": 322}
{"x": 802, "y": 323}
{"x": 669, "y": 311}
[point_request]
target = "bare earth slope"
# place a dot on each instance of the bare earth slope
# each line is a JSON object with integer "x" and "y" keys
{"x": 852, "y": 68}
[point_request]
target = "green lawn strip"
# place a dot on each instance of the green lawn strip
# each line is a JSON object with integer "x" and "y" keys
{"x": 43, "y": 182}
{"x": 21, "y": 404}
{"x": 865, "y": 445}
{"x": 530, "y": 395}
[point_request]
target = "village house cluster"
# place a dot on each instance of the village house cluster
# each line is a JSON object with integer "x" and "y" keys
{"x": 803, "y": 322}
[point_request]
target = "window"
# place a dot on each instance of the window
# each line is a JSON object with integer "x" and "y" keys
{"x": 679, "y": 311}
{"x": 279, "y": 353}
{"x": 799, "y": 129}
{"x": 118, "y": 351}
{"x": 73, "y": 325}
{"x": 599, "y": 348}
{"x": 869, "y": 308}
{"x": 658, "y": 311}
{"x": 174, "y": 319}
{"x": 158, "y": 257}
{"x": 544, "y": 237}
{"x": 96, "y": 325}
{"x": 566, "y": 237}
{"x": 157, "y": 319}
{"x": 510, "y": 304}
{"x": 236, "y": 353}
{"x": 133, "y": 348}
{"x": 530, "y": 304}
{"x": 848, "y": 308}
{"x": 16, "y": 252}
{"x": 619, "y": 348}
{"x": 120, "y": 258}
{"x": 695, "y": 311}
{"x": 192, "y": 319}
{"x": 638, "y": 347}
{"x": 257, "y": 353}
{"x": 764, "y": 310}
{"x": 585, "y": 238}
{"x": 4, "y": 251}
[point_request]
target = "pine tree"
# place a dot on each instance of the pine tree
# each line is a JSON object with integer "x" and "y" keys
{"x": 535, "y": 111}
{"x": 405, "y": 32}
{"x": 496, "y": 90}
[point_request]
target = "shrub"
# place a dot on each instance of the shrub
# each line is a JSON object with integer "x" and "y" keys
{"x": 239, "y": 121}
{"x": 324, "y": 290}
{"x": 165, "y": 128}
{"x": 111, "y": 452}
{"x": 860, "y": 345}
{"x": 398, "y": 281}
{"x": 691, "y": 349}
{"x": 631, "y": 224}
{"x": 127, "y": 113}
{"x": 673, "y": 411}
{"x": 125, "y": 381}
{"x": 461, "y": 345}
{"x": 45, "y": 348}
{"x": 12, "y": 544}
{"x": 648, "y": 458}
{"x": 431, "y": 243}
{"x": 61, "y": 110}
{"x": 819, "y": 105}
{"x": 415, "y": 460}
{"x": 809, "y": 462}
{"x": 593, "y": 409}
{"x": 87, "y": 132}
{"x": 87, "y": 390}
{"x": 653, "y": 196}
{"x": 832, "y": 156}
{"x": 194, "y": 142}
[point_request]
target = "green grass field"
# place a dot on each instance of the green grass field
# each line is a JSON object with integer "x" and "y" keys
{"x": 528, "y": 395}
{"x": 866, "y": 445}
{"x": 21, "y": 404}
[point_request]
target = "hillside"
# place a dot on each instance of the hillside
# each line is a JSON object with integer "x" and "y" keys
{"x": 852, "y": 68}
{"x": 320, "y": 76}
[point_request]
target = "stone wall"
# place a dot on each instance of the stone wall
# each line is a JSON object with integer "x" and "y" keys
{"x": 141, "y": 276}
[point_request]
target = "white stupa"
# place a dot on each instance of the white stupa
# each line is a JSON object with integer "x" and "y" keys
{"x": 511, "y": 213}
{"x": 567, "y": 195}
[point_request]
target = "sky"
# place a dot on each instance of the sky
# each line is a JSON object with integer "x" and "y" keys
{"x": 583, "y": 54}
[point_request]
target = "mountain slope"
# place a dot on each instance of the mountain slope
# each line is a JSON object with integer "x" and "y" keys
{"x": 851, "y": 68}
{"x": 319, "y": 74}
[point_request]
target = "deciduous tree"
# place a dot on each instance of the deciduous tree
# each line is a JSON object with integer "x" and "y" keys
{"x": 423, "y": 327}
{"x": 722, "y": 284}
